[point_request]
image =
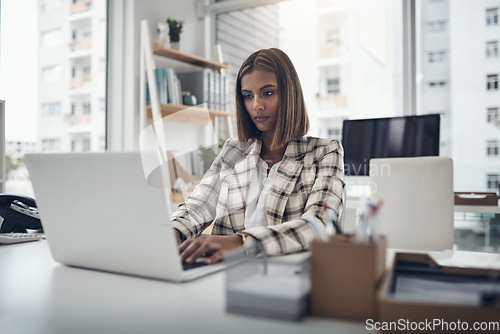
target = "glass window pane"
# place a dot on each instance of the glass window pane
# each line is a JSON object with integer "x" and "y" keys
{"x": 53, "y": 66}
{"x": 352, "y": 67}
{"x": 471, "y": 77}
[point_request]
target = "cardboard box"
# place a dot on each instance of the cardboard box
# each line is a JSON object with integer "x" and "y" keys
{"x": 345, "y": 274}
{"x": 403, "y": 313}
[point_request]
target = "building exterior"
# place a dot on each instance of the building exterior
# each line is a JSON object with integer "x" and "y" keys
{"x": 16, "y": 150}
{"x": 359, "y": 62}
{"x": 72, "y": 72}
{"x": 460, "y": 65}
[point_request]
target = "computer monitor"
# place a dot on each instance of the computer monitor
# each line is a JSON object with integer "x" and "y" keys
{"x": 406, "y": 136}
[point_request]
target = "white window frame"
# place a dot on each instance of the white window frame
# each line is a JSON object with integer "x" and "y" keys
{"x": 52, "y": 74}
{"x": 492, "y": 16}
{"x": 492, "y": 179}
{"x": 492, "y": 148}
{"x": 51, "y": 109}
{"x": 491, "y": 49}
{"x": 52, "y": 38}
{"x": 492, "y": 82}
{"x": 492, "y": 115}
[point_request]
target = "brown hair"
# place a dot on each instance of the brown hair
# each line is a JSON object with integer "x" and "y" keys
{"x": 292, "y": 116}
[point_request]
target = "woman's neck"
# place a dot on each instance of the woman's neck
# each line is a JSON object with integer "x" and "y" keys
{"x": 271, "y": 154}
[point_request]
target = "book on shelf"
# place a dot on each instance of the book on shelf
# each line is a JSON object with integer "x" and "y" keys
{"x": 161, "y": 85}
{"x": 208, "y": 86}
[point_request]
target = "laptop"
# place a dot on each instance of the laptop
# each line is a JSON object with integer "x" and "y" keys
{"x": 98, "y": 212}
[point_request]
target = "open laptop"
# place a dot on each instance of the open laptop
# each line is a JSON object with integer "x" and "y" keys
{"x": 98, "y": 212}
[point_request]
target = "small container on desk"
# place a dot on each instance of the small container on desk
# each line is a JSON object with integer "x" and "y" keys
{"x": 262, "y": 286}
{"x": 345, "y": 274}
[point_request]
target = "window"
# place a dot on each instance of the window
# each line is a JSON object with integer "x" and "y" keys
{"x": 35, "y": 40}
{"x": 492, "y": 148}
{"x": 51, "y": 145}
{"x": 437, "y": 84}
{"x": 86, "y": 108}
{"x": 493, "y": 181}
{"x": 52, "y": 38}
{"x": 436, "y": 26}
{"x": 492, "y": 115}
{"x": 491, "y": 16}
{"x": 491, "y": 49}
{"x": 49, "y": 5}
{"x": 102, "y": 65}
{"x": 51, "y": 109}
{"x": 334, "y": 133}
{"x": 436, "y": 56}
{"x": 85, "y": 144}
{"x": 102, "y": 143}
{"x": 492, "y": 82}
{"x": 51, "y": 74}
{"x": 102, "y": 104}
{"x": 333, "y": 86}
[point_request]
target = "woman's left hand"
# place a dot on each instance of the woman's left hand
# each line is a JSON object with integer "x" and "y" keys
{"x": 213, "y": 245}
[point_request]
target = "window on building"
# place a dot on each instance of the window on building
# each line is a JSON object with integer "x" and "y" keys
{"x": 85, "y": 144}
{"x": 102, "y": 65}
{"x": 492, "y": 115}
{"x": 51, "y": 145}
{"x": 436, "y": 26}
{"x": 52, "y": 38}
{"x": 492, "y": 148}
{"x": 492, "y": 16}
{"x": 102, "y": 104}
{"x": 437, "y": 84}
{"x": 50, "y": 5}
{"x": 334, "y": 133}
{"x": 86, "y": 108}
{"x": 436, "y": 56}
{"x": 492, "y": 82}
{"x": 333, "y": 85}
{"x": 102, "y": 143}
{"x": 52, "y": 109}
{"x": 493, "y": 181}
{"x": 52, "y": 74}
{"x": 492, "y": 49}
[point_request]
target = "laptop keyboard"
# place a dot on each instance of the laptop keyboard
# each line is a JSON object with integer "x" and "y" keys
{"x": 196, "y": 264}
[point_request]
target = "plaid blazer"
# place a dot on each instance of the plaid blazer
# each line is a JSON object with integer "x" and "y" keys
{"x": 311, "y": 175}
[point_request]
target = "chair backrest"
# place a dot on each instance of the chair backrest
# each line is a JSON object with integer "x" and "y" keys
{"x": 418, "y": 201}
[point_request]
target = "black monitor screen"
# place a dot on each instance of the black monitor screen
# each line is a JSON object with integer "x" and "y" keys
{"x": 409, "y": 136}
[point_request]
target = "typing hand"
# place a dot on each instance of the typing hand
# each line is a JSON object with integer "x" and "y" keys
{"x": 208, "y": 245}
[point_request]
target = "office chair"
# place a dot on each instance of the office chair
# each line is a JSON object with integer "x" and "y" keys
{"x": 417, "y": 196}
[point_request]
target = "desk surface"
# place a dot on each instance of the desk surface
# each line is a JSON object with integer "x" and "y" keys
{"x": 38, "y": 295}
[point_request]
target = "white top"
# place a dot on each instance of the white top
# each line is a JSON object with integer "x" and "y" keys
{"x": 260, "y": 185}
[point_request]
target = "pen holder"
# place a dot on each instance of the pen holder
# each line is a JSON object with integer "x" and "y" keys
{"x": 345, "y": 274}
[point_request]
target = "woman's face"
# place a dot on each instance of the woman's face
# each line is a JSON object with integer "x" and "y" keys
{"x": 260, "y": 95}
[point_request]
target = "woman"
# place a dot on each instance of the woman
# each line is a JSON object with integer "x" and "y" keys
{"x": 265, "y": 185}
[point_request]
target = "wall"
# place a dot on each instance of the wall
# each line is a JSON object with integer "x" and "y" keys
{"x": 124, "y": 60}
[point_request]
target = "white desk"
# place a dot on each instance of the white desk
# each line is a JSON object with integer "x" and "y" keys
{"x": 37, "y": 295}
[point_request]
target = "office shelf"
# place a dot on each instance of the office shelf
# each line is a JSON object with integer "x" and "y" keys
{"x": 187, "y": 58}
{"x": 194, "y": 115}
